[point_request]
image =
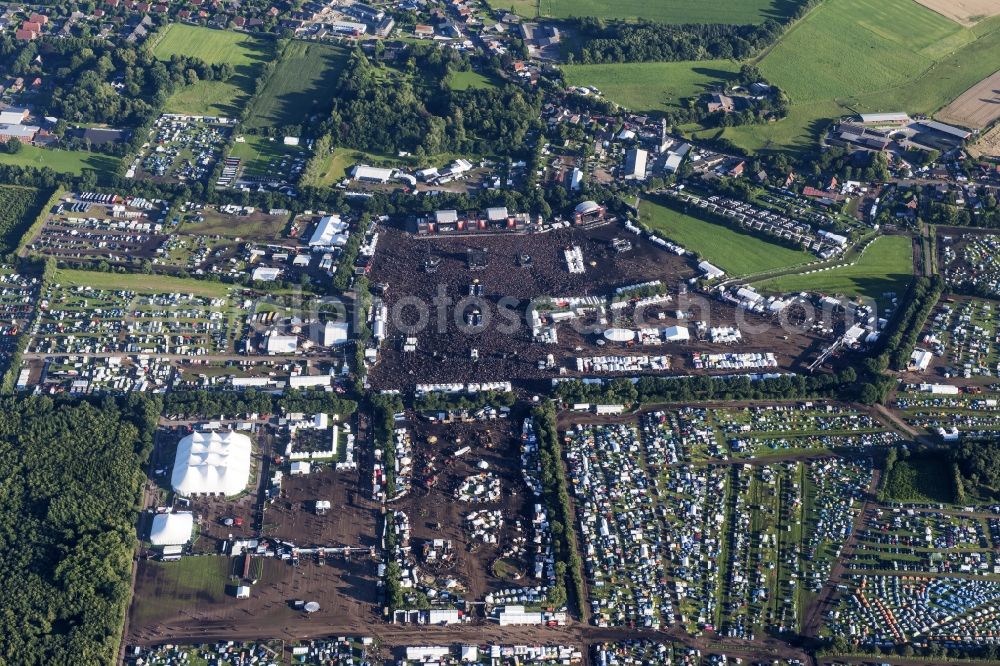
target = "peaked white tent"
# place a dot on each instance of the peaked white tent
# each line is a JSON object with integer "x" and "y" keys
{"x": 171, "y": 529}
{"x": 212, "y": 463}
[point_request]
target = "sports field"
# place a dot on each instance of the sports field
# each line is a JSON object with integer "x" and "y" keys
{"x": 218, "y": 98}
{"x": 852, "y": 56}
{"x": 303, "y": 84}
{"x": 62, "y": 161}
{"x": 664, "y": 11}
{"x": 886, "y": 266}
{"x": 652, "y": 86}
{"x": 734, "y": 252}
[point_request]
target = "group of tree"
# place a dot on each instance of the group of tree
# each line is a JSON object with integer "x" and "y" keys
{"x": 200, "y": 403}
{"x": 555, "y": 495}
{"x": 436, "y": 401}
{"x": 71, "y": 473}
{"x": 418, "y": 112}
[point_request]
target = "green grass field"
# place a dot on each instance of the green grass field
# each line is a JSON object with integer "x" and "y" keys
{"x": 887, "y": 265}
{"x": 303, "y": 84}
{"x": 63, "y": 161}
{"x": 222, "y": 98}
{"x": 652, "y": 86}
{"x": 664, "y": 11}
{"x": 732, "y": 251}
{"x": 258, "y": 151}
{"x": 470, "y": 79}
{"x": 170, "y": 587}
{"x": 139, "y": 283}
{"x": 853, "y": 56}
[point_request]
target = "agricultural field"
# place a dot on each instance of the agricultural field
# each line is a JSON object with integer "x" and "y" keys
{"x": 214, "y": 98}
{"x": 302, "y": 85}
{"x": 732, "y": 251}
{"x": 664, "y": 11}
{"x": 73, "y": 162}
{"x": 903, "y": 58}
{"x": 18, "y": 208}
{"x": 886, "y": 266}
{"x": 977, "y": 107}
{"x": 966, "y": 12}
{"x": 653, "y": 86}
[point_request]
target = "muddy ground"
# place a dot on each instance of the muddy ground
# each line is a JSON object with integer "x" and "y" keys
{"x": 506, "y": 351}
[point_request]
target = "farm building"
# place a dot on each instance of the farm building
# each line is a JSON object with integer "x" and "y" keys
{"x": 13, "y": 115}
{"x": 635, "y": 164}
{"x": 885, "y": 118}
{"x": 212, "y": 463}
{"x": 171, "y": 529}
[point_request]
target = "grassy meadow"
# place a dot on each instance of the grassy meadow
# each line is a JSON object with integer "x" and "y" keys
{"x": 887, "y": 265}
{"x": 734, "y": 252}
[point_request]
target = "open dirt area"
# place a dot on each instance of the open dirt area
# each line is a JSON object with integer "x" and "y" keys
{"x": 196, "y": 594}
{"x": 435, "y": 513}
{"x": 977, "y": 107}
{"x": 966, "y": 12}
{"x": 444, "y": 349}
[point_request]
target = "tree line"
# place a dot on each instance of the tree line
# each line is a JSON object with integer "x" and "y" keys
{"x": 71, "y": 476}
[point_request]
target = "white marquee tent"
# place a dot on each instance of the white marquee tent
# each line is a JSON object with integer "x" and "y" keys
{"x": 171, "y": 529}
{"x": 215, "y": 463}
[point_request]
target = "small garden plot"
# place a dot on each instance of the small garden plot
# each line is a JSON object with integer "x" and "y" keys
{"x": 887, "y": 609}
{"x": 619, "y": 525}
{"x": 801, "y": 427}
{"x": 181, "y": 150}
{"x": 223, "y": 653}
{"x": 964, "y": 335}
{"x": 971, "y": 263}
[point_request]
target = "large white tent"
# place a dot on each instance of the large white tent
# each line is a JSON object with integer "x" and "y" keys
{"x": 213, "y": 463}
{"x": 171, "y": 529}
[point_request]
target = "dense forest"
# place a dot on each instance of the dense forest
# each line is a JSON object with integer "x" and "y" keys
{"x": 427, "y": 117}
{"x": 71, "y": 477}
